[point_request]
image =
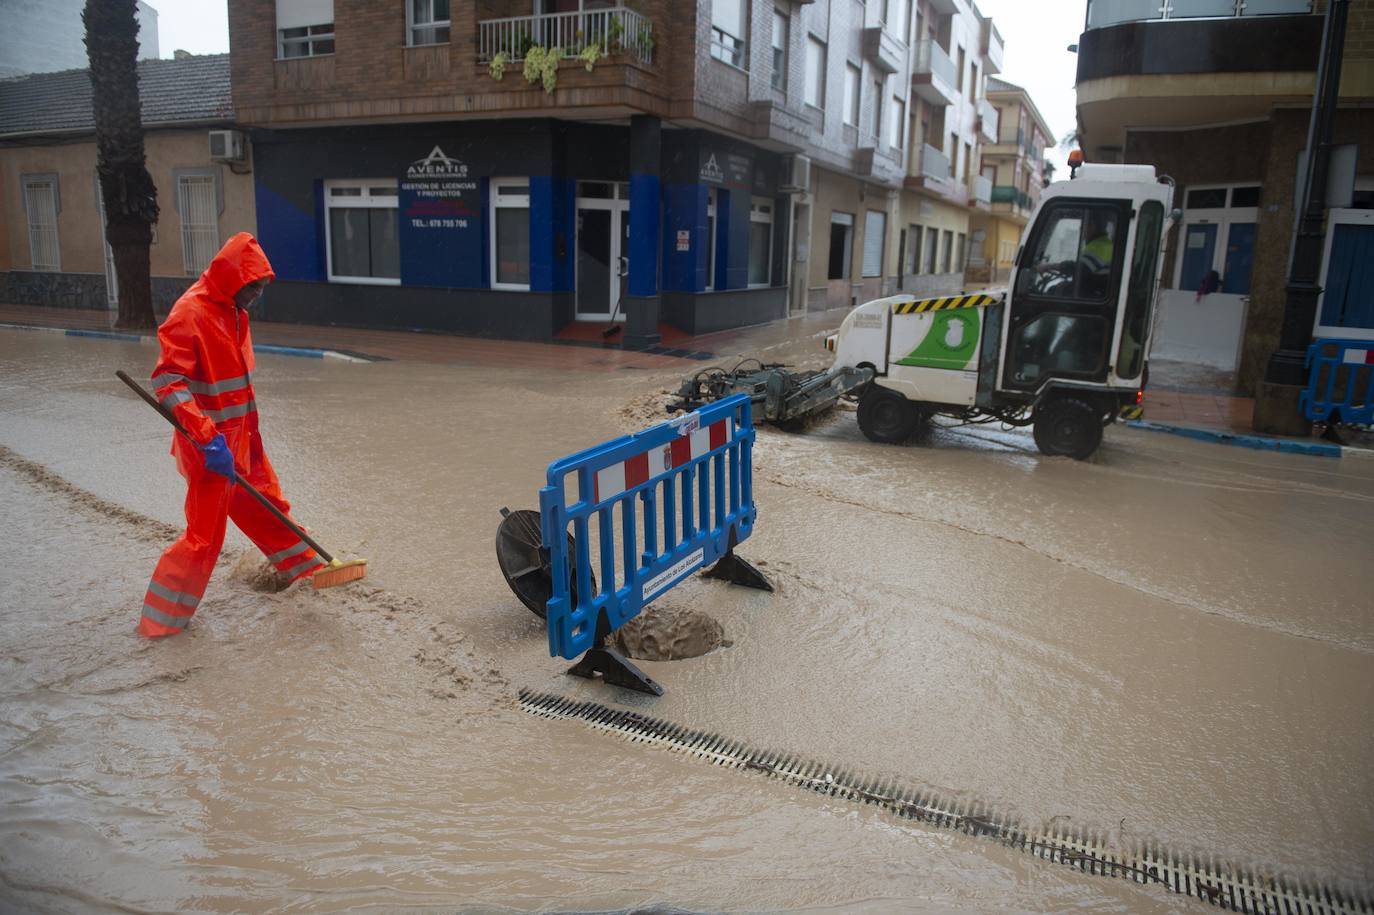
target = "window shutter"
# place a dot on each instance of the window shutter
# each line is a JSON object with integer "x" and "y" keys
{"x": 875, "y": 224}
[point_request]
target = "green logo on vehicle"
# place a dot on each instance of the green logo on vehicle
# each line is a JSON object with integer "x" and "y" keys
{"x": 950, "y": 343}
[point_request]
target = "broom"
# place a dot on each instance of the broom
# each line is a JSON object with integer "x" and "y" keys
{"x": 335, "y": 573}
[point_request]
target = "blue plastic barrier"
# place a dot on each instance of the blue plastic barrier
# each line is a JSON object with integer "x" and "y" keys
{"x": 1340, "y": 381}
{"x": 677, "y": 496}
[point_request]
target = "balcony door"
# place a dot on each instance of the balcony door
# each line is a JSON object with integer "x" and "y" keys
{"x": 603, "y": 247}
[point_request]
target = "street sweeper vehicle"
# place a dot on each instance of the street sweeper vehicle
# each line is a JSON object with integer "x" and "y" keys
{"x": 1062, "y": 348}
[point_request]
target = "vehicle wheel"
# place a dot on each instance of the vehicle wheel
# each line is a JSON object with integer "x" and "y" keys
{"x": 886, "y": 416}
{"x": 1067, "y": 426}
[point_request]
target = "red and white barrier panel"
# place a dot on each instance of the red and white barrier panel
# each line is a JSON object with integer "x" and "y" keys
{"x": 617, "y": 478}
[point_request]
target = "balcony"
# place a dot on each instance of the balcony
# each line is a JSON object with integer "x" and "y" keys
{"x": 944, "y": 7}
{"x": 1103, "y": 13}
{"x": 1010, "y": 200}
{"x": 992, "y": 48}
{"x": 987, "y": 120}
{"x": 612, "y": 30}
{"x": 883, "y": 50}
{"x": 934, "y": 164}
{"x": 933, "y": 75}
{"x": 982, "y": 190}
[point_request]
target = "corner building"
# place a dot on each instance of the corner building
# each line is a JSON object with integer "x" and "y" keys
{"x": 695, "y": 165}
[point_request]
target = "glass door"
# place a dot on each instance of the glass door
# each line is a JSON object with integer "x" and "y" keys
{"x": 603, "y": 227}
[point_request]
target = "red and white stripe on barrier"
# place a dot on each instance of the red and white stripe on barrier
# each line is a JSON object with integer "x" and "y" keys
{"x": 1359, "y": 356}
{"x": 613, "y": 480}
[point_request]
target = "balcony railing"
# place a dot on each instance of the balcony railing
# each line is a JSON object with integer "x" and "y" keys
{"x": 982, "y": 188}
{"x": 611, "y": 30}
{"x": 1102, "y": 13}
{"x": 934, "y": 164}
{"x": 1006, "y": 193}
{"x": 931, "y": 58}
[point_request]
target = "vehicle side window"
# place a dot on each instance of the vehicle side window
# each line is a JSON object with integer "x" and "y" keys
{"x": 1059, "y": 344}
{"x": 1140, "y": 292}
{"x": 1073, "y": 254}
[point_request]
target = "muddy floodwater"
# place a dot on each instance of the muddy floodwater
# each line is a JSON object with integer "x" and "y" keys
{"x": 1173, "y": 641}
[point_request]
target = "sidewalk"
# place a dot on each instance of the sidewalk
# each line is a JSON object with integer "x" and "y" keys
{"x": 376, "y": 345}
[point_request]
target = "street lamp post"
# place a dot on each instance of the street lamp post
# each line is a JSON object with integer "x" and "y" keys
{"x": 1276, "y": 403}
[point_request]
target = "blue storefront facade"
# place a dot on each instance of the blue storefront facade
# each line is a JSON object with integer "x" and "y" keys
{"x": 517, "y": 228}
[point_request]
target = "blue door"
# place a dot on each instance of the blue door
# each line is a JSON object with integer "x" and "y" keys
{"x": 1199, "y": 247}
{"x": 1240, "y": 258}
{"x": 1348, "y": 299}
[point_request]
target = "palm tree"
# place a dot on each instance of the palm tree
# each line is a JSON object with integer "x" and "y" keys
{"x": 125, "y": 185}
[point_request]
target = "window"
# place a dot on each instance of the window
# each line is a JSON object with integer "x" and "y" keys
{"x": 851, "y": 94}
{"x": 968, "y": 157}
{"x": 894, "y": 17}
{"x": 1073, "y": 253}
{"x": 1140, "y": 291}
{"x": 973, "y": 82}
{"x": 815, "y": 72}
{"x": 875, "y": 234}
{"x": 953, "y": 154}
{"x": 947, "y": 263}
{"x": 959, "y": 77}
{"x": 1058, "y": 344}
{"x": 1245, "y": 196}
{"x": 932, "y": 249}
{"x": 305, "y": 28}
{"x": 959, "y": 254}
{"x": 895, "y": 136}
{"x": 1208, "y": 198}
{"x": 877, "y": 127}
{"x": 306, "y": 41}
{"x": 841, "y": 245}
{"x": 198, "y": 208}
{"x": 41, "y": 205}
{"x": 361, "y": 231}
{"x": 1217, "y": 251}
{"x": 779, "y": 50}
{"x": 728, "y": 25}
{"x": 913, "y": 260}
{"x": 711, "y": 239}
{"x": 429, "y": 22}
{"x": 510, "y": 233}
{"x": 760, "y": 241}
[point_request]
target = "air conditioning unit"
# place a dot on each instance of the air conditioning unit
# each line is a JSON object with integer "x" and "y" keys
{"x": 796, "y": 174}
{"x": 226, "y": 145}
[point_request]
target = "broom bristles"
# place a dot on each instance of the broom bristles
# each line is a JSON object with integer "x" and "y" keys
{"x": 339, "y": 573}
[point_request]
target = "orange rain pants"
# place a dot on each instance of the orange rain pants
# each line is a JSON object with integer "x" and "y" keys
{"x": 204, "y": 375}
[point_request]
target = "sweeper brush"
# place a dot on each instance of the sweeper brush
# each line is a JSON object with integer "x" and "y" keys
{"x": 335, "y": 571}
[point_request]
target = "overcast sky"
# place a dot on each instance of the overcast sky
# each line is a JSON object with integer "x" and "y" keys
{"x": 1036, "y": 33}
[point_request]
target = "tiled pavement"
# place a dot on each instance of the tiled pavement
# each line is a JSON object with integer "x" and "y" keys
{"x": 1205, "y": 409}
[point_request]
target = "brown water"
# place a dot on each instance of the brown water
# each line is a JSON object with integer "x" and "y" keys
{"x": 1174, "y": 640}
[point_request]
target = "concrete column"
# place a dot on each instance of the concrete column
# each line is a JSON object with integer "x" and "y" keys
{"x": 641, "y": 300}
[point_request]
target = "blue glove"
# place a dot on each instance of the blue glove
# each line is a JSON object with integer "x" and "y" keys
{"x": 217, "y": 457}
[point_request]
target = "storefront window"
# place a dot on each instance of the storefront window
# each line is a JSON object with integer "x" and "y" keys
{"x": 510, "y": 233}
{"x": 362, "y": 231}
{"x": 760, "y": 241}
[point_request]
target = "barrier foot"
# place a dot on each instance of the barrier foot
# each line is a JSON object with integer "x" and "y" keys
{"x": 737, "y": 571}
{"x": 614, "y": 669}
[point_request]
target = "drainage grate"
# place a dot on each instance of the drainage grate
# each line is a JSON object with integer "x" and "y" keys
{"x": 1234, "y": 888}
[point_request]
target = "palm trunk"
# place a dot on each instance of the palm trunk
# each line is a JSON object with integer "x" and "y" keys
{"x": 126, "y": 187}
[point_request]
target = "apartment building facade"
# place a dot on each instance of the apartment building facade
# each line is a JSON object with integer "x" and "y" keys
{"x": 1015, "y": 165}
{"x": 1218, "y": 96}
{"x": 510, "y": 168}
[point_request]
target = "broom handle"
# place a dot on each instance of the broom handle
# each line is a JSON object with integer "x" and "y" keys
{"x": 168, "y": 415}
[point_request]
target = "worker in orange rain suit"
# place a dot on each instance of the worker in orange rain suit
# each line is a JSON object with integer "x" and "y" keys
{"x": 204, "y": 375}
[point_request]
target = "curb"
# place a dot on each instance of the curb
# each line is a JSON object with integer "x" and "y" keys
{"x": 1258, "y": 442}
{"x": 275, "y": 349}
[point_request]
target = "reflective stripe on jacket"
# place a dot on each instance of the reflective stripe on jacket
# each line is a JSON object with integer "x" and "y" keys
{"x": 204, "y": 373}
